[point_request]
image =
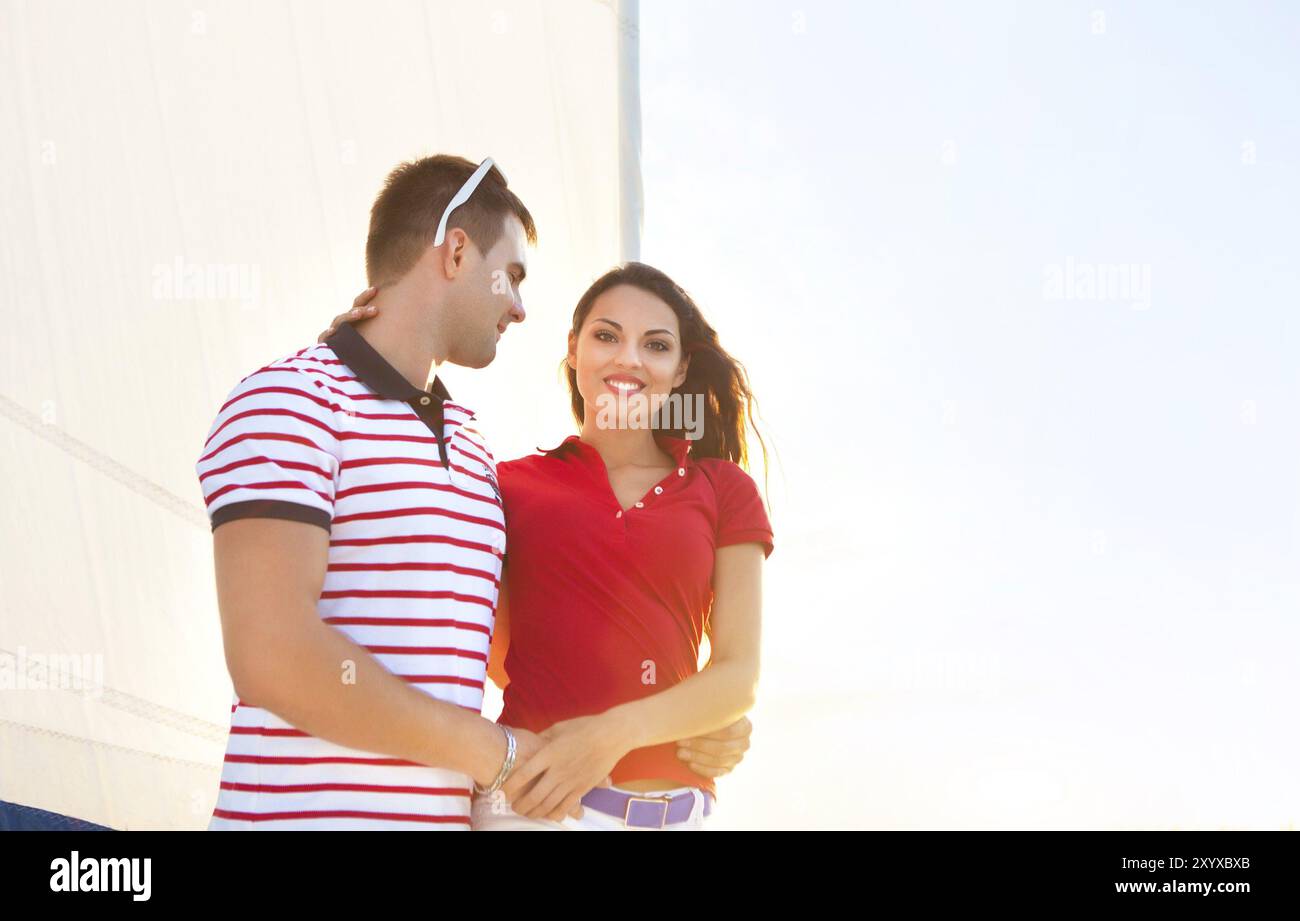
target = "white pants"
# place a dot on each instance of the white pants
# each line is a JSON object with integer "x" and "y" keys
{"x": 493, "y": 813}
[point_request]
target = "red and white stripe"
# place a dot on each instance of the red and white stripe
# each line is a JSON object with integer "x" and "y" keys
{"x": 413, "y": 573}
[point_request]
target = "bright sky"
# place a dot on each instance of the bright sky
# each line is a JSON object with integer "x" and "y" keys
{"x": 1036, "y": 556}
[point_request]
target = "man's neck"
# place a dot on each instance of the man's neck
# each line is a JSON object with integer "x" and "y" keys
{"x": 399, "y": 332}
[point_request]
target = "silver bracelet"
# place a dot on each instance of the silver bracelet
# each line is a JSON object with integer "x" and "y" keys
{"x": 506, "y": 766}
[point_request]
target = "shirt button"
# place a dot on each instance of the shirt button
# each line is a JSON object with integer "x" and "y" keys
{"x": 658, "y": 490}
{"x": 619, "y": 514}
{"x": 425, "y": 401}
{"x": 681, "y": 471}
{"x": 640, "y": 505}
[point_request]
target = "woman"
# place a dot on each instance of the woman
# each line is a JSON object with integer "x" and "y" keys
{"x": 626, "y": 544}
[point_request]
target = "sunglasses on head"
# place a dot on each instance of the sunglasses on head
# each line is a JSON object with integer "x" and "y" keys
{"x": 463, "y": 196}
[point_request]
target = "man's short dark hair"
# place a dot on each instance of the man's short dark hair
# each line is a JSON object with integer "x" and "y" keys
{"x": 404, "y": 218}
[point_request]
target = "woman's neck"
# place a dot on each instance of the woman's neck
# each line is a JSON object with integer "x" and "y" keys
{"x": 621, "y": 447}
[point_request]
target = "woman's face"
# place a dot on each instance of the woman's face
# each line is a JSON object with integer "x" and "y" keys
{"x": 628, "y": 356}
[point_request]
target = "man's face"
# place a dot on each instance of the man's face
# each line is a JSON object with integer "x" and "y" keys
{"x": 487, "y": 299}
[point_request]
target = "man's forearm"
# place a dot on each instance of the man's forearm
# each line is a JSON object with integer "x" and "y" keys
{"x": 304, "y": 677}
{"x": 709, "y": 700}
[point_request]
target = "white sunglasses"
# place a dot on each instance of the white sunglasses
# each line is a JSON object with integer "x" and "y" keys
{"x": 463, "y": 196}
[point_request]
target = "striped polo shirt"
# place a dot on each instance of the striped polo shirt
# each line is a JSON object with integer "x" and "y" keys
{"x": 334, "y": 436}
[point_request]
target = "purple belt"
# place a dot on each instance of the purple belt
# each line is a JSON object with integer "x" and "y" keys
{"x": 639, "y": 811}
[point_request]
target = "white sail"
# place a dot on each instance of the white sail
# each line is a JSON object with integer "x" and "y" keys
{"x": 186, "y": 198}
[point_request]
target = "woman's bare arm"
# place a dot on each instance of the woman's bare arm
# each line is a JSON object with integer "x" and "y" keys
{"x": 581, "y": 751}
{"x": 500, "y": 638}
{"x": 724, "y": 690}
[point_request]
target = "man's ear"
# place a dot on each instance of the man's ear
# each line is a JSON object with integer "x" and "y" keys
{"x": 453, "y": 259}
{"x": 680, "y": 377}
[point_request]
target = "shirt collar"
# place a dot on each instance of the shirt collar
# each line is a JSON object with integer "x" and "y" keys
{"x": 678, "y": 448}
{"x": 373, "y": 370}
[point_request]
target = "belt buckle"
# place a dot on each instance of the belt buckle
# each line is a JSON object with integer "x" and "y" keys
{"x": 627, "y": 809}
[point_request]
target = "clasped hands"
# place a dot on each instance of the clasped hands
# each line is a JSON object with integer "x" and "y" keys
{"x": 555, "y": 768}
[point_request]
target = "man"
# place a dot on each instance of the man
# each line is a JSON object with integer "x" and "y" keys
{"x": 358, "y": 533}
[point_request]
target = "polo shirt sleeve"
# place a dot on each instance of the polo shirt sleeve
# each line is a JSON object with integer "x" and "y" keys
{"x": 272, "y": 451}
{"x": 742, "y": 518}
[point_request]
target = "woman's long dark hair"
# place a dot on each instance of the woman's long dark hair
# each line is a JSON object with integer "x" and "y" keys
{"x": 721, "y": 380}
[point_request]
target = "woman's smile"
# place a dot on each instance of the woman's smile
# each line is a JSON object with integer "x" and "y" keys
{"x": 624, "y": 383}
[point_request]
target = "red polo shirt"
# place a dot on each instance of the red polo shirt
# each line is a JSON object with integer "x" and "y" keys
{"x": 606, "y": 605}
